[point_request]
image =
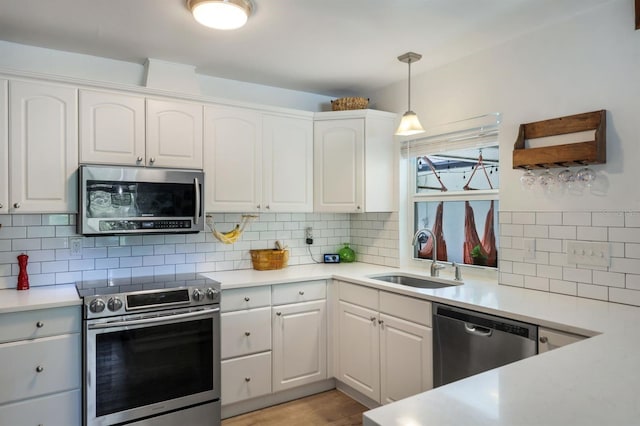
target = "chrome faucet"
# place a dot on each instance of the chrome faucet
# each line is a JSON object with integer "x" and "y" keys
{"x": 435, "y": 267}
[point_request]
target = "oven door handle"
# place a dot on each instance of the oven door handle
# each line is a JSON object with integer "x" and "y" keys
{"x": 154, "y": 320}
{"x": 196, "y": 215}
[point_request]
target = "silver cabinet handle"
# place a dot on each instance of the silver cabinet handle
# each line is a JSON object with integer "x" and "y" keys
{"x": 380, "y": 322}
{"x": 544, "y": 339}
{"x": 16, "y": 205}
{"x": 247, "y": 379}
{"x": 278, "y": 313}
{"x": 357, "y": 207}
{"x": 247, "y": 333}
{"x": 196, "y": 213}
{"x": 301, "y": 293}
{"x": 267, "y": 207}
{"x": 39, "y": 324}
{"x": 246, "y": 299}
{"x": 152, "y": 160}
{"x": 39, "y": 369}
{"x": 1, "y": 205}
{"x": 258, "y": 206}
{"x": 139, "y": 159}
{"x": 373, "y": 319}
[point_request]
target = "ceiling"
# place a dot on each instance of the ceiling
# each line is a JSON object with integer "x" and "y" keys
{"x": 330, "y": 47}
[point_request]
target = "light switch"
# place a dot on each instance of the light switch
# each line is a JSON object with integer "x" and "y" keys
{"x": 588, "y": 253}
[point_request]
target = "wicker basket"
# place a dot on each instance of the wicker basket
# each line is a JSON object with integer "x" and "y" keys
{"x": 344, "y": 104}
{"x": 267, "y": 259}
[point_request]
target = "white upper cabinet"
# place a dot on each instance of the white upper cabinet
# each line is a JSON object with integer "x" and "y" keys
{"x": 111, "y": 128}
{"x": 232, "y": 159}
{"x": 174, "y": 134}
{"x": 257, "y": 162}
{"x": 115, "y": 128}
{"x": 43, "y": 134}
{"x": 4, "y": 149}
{"x": 287, "y": 166}
{"x": 354, "y": 162}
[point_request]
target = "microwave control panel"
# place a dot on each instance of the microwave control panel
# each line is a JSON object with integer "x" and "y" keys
{"x": 122, "y": 225}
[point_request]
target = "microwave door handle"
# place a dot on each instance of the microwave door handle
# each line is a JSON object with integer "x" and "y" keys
{"x": 196, "y": 215}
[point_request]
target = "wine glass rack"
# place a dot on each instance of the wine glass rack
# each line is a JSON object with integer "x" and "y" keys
{"x": 562, "y": 155}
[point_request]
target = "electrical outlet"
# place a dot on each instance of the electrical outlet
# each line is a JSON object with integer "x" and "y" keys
{"x": 309, "y": 235}
{"x": 75, "y": 246}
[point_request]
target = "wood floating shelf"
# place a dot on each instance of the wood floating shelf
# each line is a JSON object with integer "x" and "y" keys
{"x": 564, "y": 155}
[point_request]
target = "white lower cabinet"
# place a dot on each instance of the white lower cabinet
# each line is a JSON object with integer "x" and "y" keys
{"x": 299, "y": 344}
{"x": 549, "y": 339}
{"x": 41, "y": 376}
{"x": 246, "y": 377}
{"x": 385, "y": 343}
{"x": 273, "y": 338}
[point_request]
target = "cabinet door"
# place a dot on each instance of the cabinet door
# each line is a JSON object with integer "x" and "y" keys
{"x": 43, "y": 147}
{"x": 174, "y": 134}
{"x": 339, "y": 165}
{"x": 233, "y": 160}
{"x": 406, "y": 366}
{"x": 111, "y": 128}
{"x": 245, "y": 332}
{"x": 299, "y": 344}
{"x": 4, "y": 149}
{"x": 358, "y": 353}
{"x": 549, "y": 339}
{"x": 287, "y": 152}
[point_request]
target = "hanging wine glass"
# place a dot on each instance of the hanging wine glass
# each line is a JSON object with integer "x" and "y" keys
{"x": 548, "y": 181}
{"x": 567, "y": 178}
{"x": 528, "y": 179}
{"x": 586, "y": 176}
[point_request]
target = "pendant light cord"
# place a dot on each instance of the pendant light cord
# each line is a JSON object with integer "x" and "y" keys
{"x": 409, "y": 87}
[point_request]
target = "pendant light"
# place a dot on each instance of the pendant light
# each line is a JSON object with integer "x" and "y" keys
{"x": 409, "y": 125}
{"x": 221, "y": 14}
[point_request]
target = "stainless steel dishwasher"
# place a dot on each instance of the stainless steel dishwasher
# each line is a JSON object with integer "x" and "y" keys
{"x": 467, "y": 342}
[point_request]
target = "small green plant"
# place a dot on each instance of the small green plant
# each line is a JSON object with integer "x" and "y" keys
{"x": 477, "y": 253}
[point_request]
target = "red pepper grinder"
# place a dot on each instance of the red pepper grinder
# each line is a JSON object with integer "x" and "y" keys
{"x": 23, "y": 278}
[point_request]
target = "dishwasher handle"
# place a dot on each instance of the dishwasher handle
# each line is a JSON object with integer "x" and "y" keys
{"x": 476, "y": 330}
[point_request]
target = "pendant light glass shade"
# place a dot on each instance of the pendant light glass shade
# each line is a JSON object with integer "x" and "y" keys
{"x": 221, "y": 14}
{"x": 409, "y": 125}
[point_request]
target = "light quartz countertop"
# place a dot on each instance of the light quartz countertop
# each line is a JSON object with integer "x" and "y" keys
{"x": 53, "y": 296}
{"x": 593, "y": 382}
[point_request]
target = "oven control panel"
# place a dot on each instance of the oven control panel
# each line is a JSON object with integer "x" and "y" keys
{"x": 99, "y": 306}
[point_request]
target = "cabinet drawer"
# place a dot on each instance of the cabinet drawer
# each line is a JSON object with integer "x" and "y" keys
{"x": 58, "y": 359}
{"x": 245, "y": 298}
{"x": 245, "y": 332}
{"x": 298, "y": 292}
{"x": 407, "y": 308}
{"x": 359, "y": 295}
{"x": 39, "y": 323}
{"x": 246, "y": 377}
{"x": 62, "y": 409}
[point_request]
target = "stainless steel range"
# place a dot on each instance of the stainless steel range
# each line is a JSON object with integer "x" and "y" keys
{"x": 152, "y": 356}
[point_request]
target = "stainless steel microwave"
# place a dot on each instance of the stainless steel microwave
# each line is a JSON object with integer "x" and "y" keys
{"x": 138, "y": 200}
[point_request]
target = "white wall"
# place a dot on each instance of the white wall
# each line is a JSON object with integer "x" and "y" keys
{"x": 587, "y": 63}
{"x": 54, "y": 62}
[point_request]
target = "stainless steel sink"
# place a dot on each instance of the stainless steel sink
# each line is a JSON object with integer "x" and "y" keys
{"x": 414, "y": 281}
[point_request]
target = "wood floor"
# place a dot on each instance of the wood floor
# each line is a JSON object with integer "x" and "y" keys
{"x": 327, "y": 408}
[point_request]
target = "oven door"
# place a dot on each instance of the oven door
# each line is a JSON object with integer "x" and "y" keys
{"x": 137, "y": 367}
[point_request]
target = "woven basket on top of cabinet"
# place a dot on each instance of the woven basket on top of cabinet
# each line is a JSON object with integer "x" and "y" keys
{"x": 267, "y": 259}
{"x": 345, "y": 104}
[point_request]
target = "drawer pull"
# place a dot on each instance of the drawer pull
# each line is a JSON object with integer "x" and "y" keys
{"x": 301, "y": 293}
{"x": 247, "y": 333}
{"x": 373, "y": 319}
{"x": 278, "y": 313}
{"x": 247, "y": 379}
{"x": 39, "y": 369}
{"x": 246, "y": 299}
{"x": 39, "y": 324}
{"x": 544, "y": 339}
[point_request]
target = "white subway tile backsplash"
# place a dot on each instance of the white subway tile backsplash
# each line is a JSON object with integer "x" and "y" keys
{"x": 26, "y": 220}
{"x": 563, "y": 232}
{"x": 563, "y": 287}
{"x": 524, "y": 218}
{"x": 628, "y": 297}
{"x": 574, "y": 274}
{"x": 551, "y": 245}
{"x": 632, "y": 219}
{"x": 607, "y": 219}
{"x": 630, "y": 266}
{"x": 549, "y": 271}
{"x": 536, "y": 283}
{"x": 592, "y": 233}
{"x": 625, "y": 235}
{"x": 609, "y": 279}
{"x": 576, "y": 218}
{"x": 593, "y": 291}
{"x": 536, "y": 231}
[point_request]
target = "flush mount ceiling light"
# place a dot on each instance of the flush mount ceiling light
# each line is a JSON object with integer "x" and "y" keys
{"x": 409, "y": 125}
{"x": 221, "y": 14}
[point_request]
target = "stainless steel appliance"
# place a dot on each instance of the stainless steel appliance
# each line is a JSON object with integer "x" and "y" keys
{"x": 152, "y": 357}
{"x": 467, "y": 343}
{"x": 139, "y": 200}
